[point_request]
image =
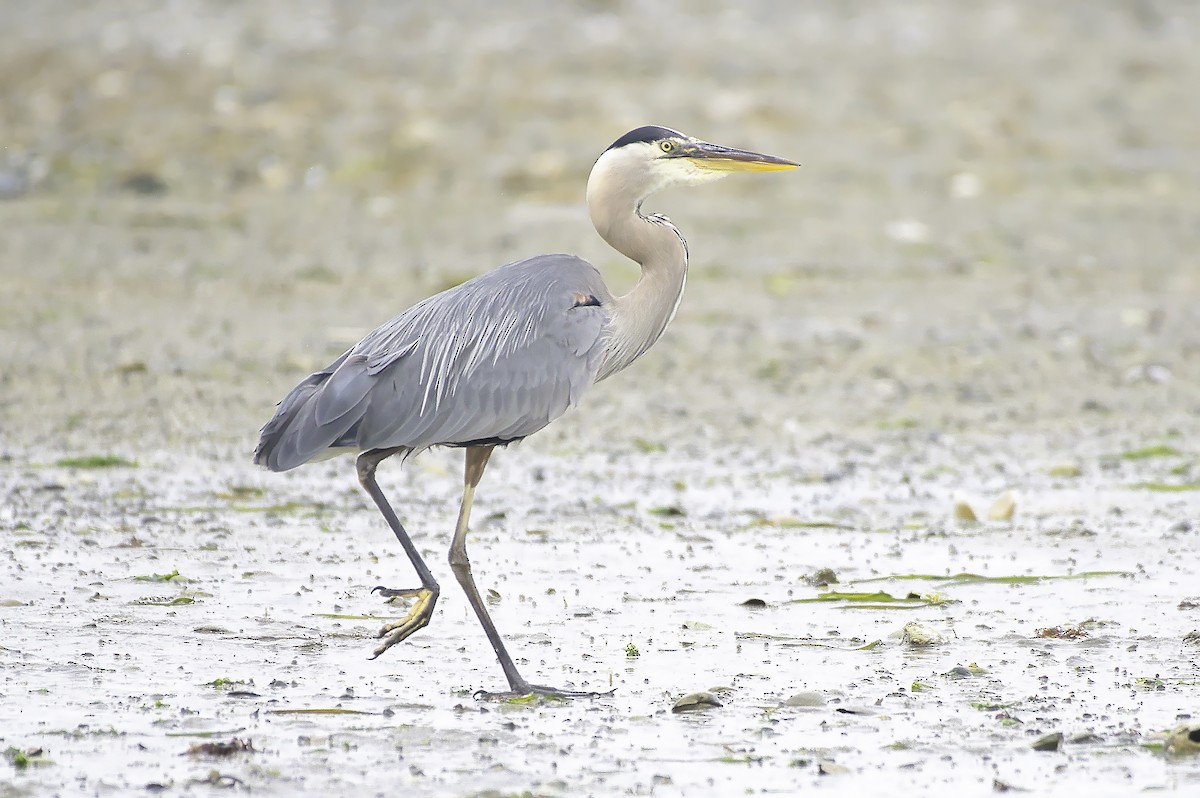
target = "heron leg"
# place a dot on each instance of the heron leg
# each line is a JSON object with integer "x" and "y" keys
{"x": 427, "y": 594}
{"x": 477, "y": 459}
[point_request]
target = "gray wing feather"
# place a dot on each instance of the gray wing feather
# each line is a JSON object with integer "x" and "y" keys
{"x": 496, "y": 358}
{"x": 345, "y": 389}
{"x": 381, "y": 362}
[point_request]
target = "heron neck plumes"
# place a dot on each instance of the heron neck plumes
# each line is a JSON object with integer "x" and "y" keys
{"x": 640, "y": 316}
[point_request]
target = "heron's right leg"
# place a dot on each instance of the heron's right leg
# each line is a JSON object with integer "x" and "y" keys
{"x": 427, "y": 594}
{"x": 477, "y": 458}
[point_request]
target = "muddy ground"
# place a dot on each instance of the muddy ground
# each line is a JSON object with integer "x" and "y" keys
{"x": 983, "y": 283}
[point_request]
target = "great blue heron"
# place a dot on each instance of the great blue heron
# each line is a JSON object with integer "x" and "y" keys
{"x": 497, "y": 358}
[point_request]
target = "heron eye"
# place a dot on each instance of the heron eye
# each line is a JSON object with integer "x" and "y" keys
{"x": 666, "y": 146}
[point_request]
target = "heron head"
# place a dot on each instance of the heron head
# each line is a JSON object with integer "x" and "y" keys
{"x": 650, "y": 158}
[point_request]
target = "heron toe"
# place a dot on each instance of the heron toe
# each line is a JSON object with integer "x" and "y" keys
{"x": 417, "y": 618}
{"x": 523, "y": 690}
{"x": 399, "y": 592}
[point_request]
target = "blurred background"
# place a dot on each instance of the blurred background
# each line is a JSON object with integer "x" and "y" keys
{"x": 997, "y": 221}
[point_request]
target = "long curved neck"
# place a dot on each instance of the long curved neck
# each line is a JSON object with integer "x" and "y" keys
{"x": 639, "y": 317}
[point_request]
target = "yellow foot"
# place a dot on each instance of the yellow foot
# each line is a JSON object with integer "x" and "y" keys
{"x": 417, "y": 618}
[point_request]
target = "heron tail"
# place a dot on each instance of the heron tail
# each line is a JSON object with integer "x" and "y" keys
{"x": 319, "y": 413}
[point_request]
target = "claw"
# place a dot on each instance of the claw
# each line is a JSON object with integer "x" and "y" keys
{"x": 417, "y": 618}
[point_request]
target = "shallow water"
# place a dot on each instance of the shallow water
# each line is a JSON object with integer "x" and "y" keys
{"x": 983, "y": 281}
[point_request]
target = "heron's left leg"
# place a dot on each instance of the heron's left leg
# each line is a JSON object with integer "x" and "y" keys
{"x": 427, "y": 594}
{"x": 477, "y": 458}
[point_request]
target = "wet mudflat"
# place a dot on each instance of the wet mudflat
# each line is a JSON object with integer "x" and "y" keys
{"x": 230, "y": 606}
{"x": 982, "y": 286}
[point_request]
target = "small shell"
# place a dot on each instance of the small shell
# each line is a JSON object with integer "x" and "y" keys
{"x": 915, "y": 633}
{"x": 1051, "y": 742}
{"x": 1003, "y": 508}
{"x": 809, "y": 699}
{"x": 696, "y": 702}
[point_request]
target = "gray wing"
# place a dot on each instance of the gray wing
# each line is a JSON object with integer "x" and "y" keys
{"x": 492, "y": 360}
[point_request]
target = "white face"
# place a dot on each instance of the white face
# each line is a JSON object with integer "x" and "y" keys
{"x": 646, "y": 167}
{"x": 681, "y": 170}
